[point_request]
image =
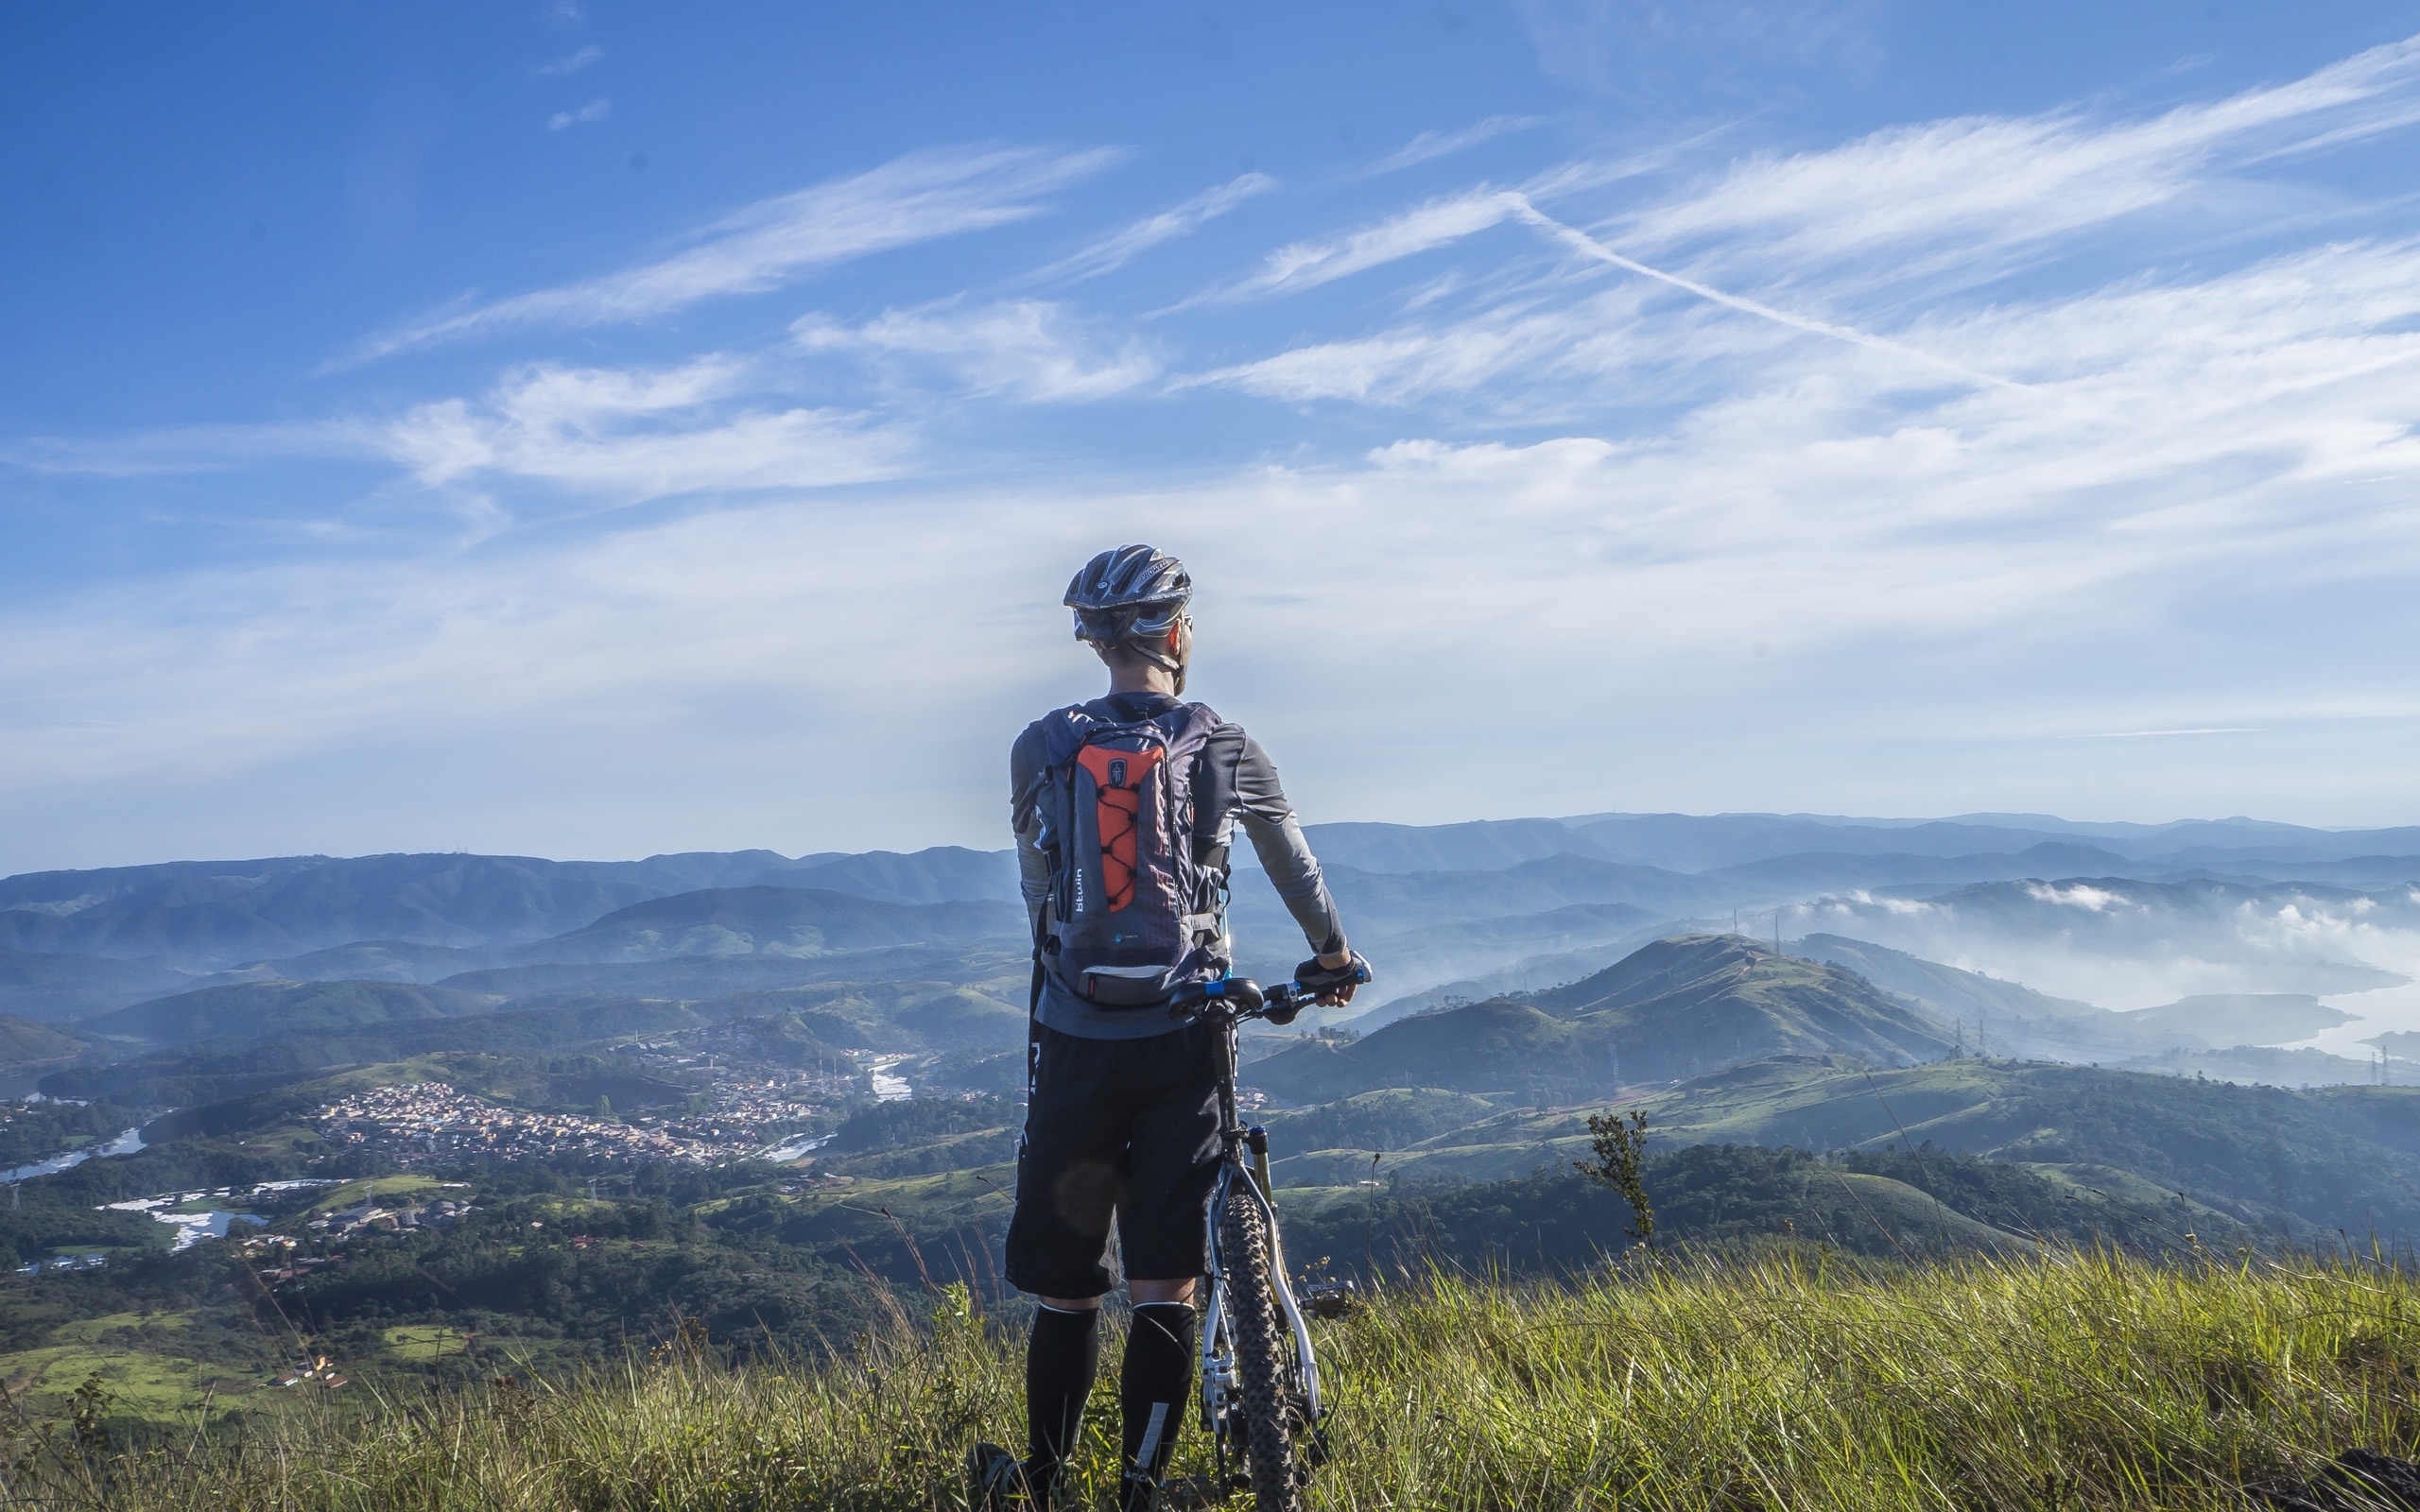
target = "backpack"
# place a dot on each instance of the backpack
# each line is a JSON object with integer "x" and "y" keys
{"x": 1134, "y": 913}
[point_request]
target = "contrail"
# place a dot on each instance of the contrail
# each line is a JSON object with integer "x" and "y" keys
{"x": 1580, "y": 241}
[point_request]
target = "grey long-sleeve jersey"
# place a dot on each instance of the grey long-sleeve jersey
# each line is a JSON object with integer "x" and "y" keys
{"x": 1234, "y": 783}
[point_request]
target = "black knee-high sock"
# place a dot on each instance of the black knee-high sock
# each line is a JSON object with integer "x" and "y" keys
{"x": 1156, "y": 1386}
{"x": 1060, "y": 1361}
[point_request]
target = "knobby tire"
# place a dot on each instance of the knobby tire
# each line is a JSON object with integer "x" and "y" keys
{"x": 1264, "y": 1354}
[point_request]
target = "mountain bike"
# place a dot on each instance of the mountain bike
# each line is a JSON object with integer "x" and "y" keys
{"x": 1260, "y": 1379}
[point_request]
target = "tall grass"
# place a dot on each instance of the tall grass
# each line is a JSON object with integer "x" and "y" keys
{"x": 2074, "y": 1382}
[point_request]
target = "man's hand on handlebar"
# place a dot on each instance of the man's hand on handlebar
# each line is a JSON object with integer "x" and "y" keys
{"x": 1332, "y": 977}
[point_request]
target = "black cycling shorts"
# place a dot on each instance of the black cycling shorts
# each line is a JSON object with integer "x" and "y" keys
{"x": 1127, "y": 1127}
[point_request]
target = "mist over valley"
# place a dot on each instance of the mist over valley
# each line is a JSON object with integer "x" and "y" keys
{"x": 760, "y": 1088}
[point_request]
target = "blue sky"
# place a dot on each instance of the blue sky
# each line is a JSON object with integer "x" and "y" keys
{"x": 594, "y": 430}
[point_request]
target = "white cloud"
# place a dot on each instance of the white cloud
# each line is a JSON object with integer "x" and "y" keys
{"x": 1432, "y": 144}
{"x": 2081, "y": 895}
{"x": 909, "y": 199}
{"x": 570, "y": 63}
{"x": 1026, "y": 349}
{"x": 1968, "y": 192}
{"x": 1946, "y": 202}
{"x": 2194, "y": 516}
{"x": 1437, "y": 223}
{"x": 1121, "y": 246}
{"x": 630, "y": 435}
{"x": 596, "y": 110}
{"x": 1398, "y": 366}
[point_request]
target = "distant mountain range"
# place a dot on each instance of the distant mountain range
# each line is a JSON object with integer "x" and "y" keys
{"x": 1453, "y": 914}
{"x": 1695, "y": 843}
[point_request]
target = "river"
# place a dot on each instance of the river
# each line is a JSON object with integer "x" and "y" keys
{"x": 887, "y": 1088}
{"x": 127, "y": 1143}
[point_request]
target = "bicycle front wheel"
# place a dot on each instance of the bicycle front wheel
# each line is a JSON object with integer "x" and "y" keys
{"x": 1264, "y": 1354}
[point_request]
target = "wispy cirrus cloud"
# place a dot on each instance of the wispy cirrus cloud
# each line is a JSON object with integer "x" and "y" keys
{"x": 1432, "y": 144}
{"x": 912, "y": 198}
{"x": 627, "y": 435}
{"x": 1953, "y": 194}
{"x": 1029, "y": 350}
{"x": 570, "y": 63}
{"x": 1425, "y": 227}
{"x": 593, "y": 111}
{"x": 1121, "y": 246}
{"x": 1962, "y": 195}
{"x": 1966, "y": 549}
{"x": 1680, "y": 418}
{"x": 1350, "y": 369}
{"x": 1937, "y": 206}
{"x": 617, "y": 435}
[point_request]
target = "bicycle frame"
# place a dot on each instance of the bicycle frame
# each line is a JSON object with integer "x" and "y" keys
{"x": 1218, "y": 1366}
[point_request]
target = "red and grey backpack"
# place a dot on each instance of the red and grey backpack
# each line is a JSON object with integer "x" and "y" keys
{"x": 1133, "y": 916}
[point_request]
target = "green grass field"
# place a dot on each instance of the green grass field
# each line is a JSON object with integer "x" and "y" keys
{"x": 2069, "y": 1381}
{"x": 423, "y": 1343}
{"x": 336, "y": 1199}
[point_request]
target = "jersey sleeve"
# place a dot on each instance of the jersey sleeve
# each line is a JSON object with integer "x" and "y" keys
{"x": 1277, "y": 839}
{"x": 1028, "y": 772}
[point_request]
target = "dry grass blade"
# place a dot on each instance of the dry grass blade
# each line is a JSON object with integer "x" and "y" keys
{"x": 2072, "y": 1380}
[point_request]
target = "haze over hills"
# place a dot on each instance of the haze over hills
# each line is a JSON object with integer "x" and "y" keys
{"x": 642, "y": 1041}
{"x": 2078, "y": 914}
{"x": 2016, "y": 1020}
{"x": 762, "y": 920}
{"x": 2149, "y": 940}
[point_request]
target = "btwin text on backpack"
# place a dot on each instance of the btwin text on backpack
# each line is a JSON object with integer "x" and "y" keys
{"x": 1134, "y": 915}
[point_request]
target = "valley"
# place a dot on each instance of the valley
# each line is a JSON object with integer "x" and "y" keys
{"x": 304, "y": 1116}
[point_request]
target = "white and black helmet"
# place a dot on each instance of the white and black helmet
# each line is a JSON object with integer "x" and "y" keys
{"x": 1132, "y": 596}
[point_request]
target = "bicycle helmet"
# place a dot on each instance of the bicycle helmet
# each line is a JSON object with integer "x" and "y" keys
{"x": 1131, "y": 598}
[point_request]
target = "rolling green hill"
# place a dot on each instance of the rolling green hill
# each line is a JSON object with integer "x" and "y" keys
{"x": 724, "y": 921}
{"x": 212, "y": 1070}
{"x": 1677, "y": 1008}
{"x": 263, "y": 1009}
{"x": 25, "y": 1044}
{"x": 2299, "y": 1163}
{"x": 366, "y": 960}
{"x": 53, "y": 985}
{"x": 223, "y": 912}
{"x": 886, "y": 1015}
{"x": 708, "y": 976}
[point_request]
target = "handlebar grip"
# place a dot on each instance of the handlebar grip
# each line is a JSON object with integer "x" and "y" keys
{"x": 1312, "y": 977}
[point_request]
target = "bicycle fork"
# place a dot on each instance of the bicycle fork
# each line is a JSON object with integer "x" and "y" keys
{"x": 1217, "y": 1364}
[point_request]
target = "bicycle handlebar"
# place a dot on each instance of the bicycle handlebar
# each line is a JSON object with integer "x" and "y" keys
{"x": 1237, "y": 998}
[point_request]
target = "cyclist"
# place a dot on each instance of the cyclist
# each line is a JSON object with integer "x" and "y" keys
{"x": 1124, "y": 809}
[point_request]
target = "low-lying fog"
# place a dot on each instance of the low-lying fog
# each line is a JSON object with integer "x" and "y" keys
{"x": 2134, "y": 945}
